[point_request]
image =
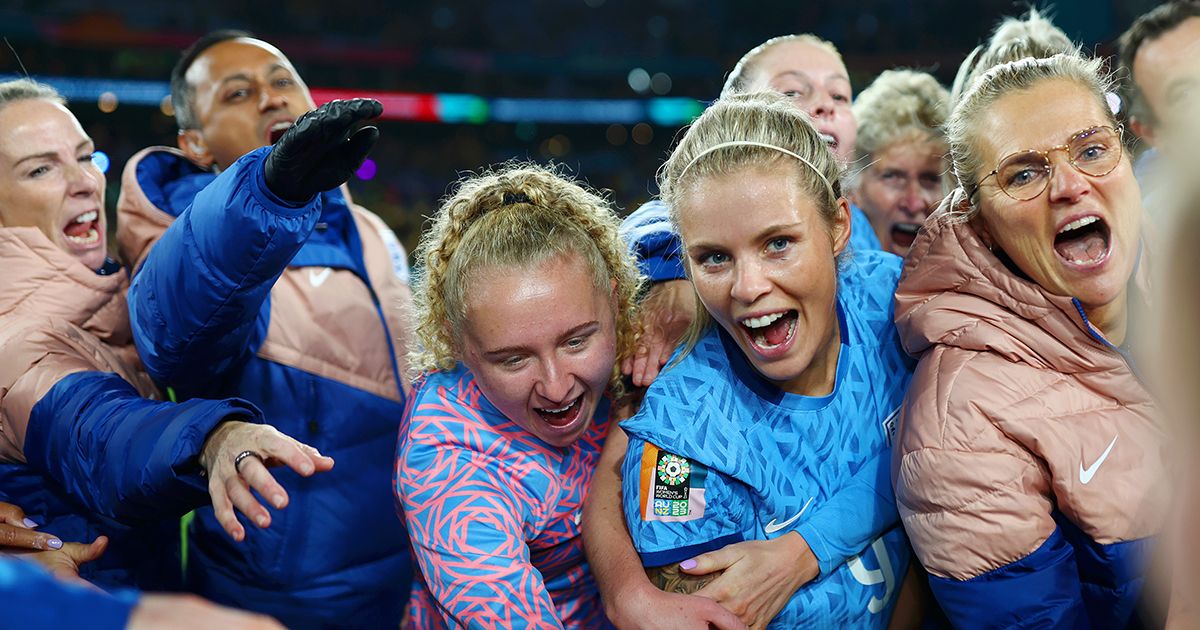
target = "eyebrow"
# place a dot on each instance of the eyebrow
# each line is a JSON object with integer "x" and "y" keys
{"x": 761, "y": 235}
{"x": 235, "y": 77}
{"x": 507, "y": 350}
{"x": 50, "y": 154}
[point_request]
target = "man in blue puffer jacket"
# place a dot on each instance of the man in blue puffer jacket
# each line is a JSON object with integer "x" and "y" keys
{"x": 295, "y": 304}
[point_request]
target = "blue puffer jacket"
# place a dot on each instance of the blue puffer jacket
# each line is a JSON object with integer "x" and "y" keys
{"x": 86, "y": 448}
{"x": 301, "y": 311}
{"x": 33, "y": 600}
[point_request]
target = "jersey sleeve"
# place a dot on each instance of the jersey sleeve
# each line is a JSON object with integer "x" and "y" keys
{"x": 677, "y": 508}
{"x": 466, "y": 522}
{"x": 653, "y": 242}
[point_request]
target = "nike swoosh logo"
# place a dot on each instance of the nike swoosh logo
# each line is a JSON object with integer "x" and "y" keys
{"x": 773, "y": 527}
{"x": 318, "y": 278}
{"x": 1086, "y": 474}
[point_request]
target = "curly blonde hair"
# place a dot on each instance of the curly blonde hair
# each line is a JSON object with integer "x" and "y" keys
{"x": 516, "y": 215}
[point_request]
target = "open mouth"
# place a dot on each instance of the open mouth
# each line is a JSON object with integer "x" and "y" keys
{"x": 277, "y": 130}
{"x": 84, "y": 230}
{"x": 1083, "y": 242}
{"x": 563, "y": 416}
{"x": 770, "y": 332}
{"x": 830, "y": 140}
{"x": 903, "y": 234}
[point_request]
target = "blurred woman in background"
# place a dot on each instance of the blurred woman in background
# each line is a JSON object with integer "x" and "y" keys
{"x": 900, "y": 154}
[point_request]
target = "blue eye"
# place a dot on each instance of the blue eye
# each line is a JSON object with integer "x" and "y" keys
{"x": 712, "y": 259}
{"x": 778, "y": 244}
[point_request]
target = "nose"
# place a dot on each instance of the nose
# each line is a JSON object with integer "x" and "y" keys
{"x": 1067, "y": 184}
{"x": 820, "y": 105}
{"x": 271, "y": 99}
{"x": 749, "y": 282}
{"x": 916, "y": 201}
{"x": 84, "y": 180}
{"x": 554, "y": 382}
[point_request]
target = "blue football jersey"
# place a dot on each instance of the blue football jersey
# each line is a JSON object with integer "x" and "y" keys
{"x": 719, "y": 455}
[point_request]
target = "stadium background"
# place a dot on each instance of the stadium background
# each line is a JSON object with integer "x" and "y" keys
{"x": 600, "y": 86}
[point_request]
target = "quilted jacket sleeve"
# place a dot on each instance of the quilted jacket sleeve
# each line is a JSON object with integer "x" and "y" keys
{"x": 977, "y": 507}
{"x": 196, "y": 304}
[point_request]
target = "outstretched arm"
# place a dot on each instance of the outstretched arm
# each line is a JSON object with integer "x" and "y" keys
{"x": 196, "y": 303}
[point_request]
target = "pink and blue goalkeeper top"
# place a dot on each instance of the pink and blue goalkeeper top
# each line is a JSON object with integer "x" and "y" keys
{"x": 493, "y": 513}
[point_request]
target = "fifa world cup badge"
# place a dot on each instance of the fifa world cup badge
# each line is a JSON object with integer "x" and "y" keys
{"x": 671, "y": 487}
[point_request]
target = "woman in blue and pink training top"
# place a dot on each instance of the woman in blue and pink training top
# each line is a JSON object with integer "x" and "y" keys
{"x": 524, "y": 302}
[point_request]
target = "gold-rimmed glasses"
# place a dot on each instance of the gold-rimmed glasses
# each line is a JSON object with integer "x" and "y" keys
{"x": 1024, "y": 175}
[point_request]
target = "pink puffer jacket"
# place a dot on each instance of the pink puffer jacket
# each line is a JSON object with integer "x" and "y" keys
{"x": 56, "y": 317}
{"x": 1019, "y": 412}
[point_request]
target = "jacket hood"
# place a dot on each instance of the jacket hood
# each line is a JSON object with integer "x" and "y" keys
{"x": 157, "y": 185}
{"x": 41, "y": 280}
{"x": 956, "y": 292}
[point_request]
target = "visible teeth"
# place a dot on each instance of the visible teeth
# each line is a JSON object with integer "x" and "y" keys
{"x": 761, "y": 340}
{"x": 911, "y": 228}
{"x": 92, "y": 237}
{"x": 1078, "y": 223}
{"x": 563, "y": 409}
{"x": 761, "y": 322}
{"x": 830, "y": 140}
{"x": 87, "y": 217}
{"x": 280, "y": 125}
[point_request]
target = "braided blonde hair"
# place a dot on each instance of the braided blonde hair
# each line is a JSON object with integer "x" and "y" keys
{"x": 517, "y": 215}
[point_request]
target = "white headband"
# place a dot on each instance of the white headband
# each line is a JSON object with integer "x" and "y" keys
{"x": 751, "y": 143}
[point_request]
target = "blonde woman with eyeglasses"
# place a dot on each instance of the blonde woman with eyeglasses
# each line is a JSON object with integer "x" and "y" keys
{"x": 1029, "y": 461}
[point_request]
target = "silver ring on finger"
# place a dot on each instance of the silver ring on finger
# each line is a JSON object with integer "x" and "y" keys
{"x": 237, "y": 461}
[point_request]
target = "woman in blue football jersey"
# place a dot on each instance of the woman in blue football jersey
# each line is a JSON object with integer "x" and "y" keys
{"x": 757, "y": 468}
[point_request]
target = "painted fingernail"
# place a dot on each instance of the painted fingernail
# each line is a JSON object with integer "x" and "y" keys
{"x": 54, "y": 543}
{"x": 30, "y": 523}
{"x": 687, "y": 565}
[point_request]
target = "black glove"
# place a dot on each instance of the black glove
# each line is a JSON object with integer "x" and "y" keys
{"x": 319, "y": 153}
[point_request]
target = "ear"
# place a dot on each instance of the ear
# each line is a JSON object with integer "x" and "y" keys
{"x": 1143, "y": 130}
{"x": 191, "y": 142}
{"x": 840, "y": 230}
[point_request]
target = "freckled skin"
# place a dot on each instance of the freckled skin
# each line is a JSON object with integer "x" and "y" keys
{"x": 741, "y": 270}
{"x": 559, "y": 332}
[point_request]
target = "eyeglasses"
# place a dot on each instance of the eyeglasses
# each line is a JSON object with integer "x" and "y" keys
{"x": 1026, "y": 174}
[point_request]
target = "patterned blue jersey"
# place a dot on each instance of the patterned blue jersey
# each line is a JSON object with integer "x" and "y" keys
{"x": 718, "y": 455}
